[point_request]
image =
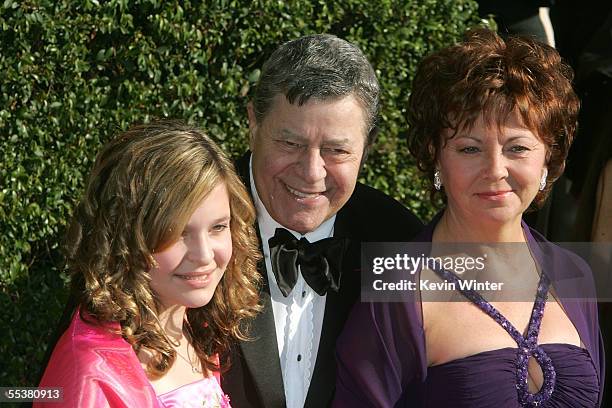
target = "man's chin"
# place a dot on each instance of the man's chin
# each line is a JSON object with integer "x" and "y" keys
{"x": 302, "y": 225}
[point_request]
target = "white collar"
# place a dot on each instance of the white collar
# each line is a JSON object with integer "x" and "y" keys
{"x": 268, "y": 225}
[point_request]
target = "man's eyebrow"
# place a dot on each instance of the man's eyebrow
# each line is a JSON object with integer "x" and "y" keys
{"x": 330, "y": 141}
{"x": 339, "y": 141}
{"x": 290, "y": 134}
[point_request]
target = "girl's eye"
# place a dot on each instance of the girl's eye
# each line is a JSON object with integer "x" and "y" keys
{"x": 469, "y": 150}
{"x": 220, "y": 227}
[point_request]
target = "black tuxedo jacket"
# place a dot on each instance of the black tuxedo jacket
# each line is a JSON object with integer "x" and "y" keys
{"x": 254, "y": 378}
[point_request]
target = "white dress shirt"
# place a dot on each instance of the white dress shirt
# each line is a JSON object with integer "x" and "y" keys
{"x": 298, "y": 317}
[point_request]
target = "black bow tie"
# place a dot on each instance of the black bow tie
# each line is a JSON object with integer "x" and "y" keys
{"x": 320, "y": 262}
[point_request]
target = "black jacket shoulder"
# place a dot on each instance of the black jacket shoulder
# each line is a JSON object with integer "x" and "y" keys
{"x": 371, "y": 215}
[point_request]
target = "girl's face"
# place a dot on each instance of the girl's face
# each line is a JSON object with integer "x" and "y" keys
{"x": 189, "y": 270}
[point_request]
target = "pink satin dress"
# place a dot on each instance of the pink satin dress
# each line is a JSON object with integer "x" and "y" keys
{"x": 98, "y": 368}
{"x": 205, "y": 393}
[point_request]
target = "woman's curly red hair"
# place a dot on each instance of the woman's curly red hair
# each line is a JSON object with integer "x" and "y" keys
{"x": 487, "y": 75}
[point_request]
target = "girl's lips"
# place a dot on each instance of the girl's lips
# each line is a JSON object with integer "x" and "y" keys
{"x": 196, "y": 280}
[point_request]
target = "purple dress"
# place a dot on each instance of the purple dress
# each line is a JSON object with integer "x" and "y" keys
{"x": 382, "y": 361}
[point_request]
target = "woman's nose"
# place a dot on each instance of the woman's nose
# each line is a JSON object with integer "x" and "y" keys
{"x": 495, "y": 166}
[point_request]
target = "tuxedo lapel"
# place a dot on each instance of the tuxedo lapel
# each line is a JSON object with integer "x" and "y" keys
{"x": 261, "y": 354}
{"x": 337, "y": 306}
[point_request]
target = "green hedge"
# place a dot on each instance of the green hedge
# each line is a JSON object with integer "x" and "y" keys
{"x": 73, "y": 73}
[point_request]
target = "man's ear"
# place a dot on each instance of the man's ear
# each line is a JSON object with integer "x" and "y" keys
{"x": 252, "y": 124}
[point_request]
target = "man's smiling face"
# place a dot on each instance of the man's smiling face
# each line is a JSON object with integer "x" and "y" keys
{"x": 306, "y": 158}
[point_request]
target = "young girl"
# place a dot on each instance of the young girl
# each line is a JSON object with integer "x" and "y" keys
{"x": 162, "y": 254}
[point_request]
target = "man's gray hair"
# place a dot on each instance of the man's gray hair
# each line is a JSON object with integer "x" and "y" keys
{"x": 320, "y": 66}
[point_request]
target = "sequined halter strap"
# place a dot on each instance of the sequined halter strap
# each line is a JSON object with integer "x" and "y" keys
{"x": 527, "y": 345}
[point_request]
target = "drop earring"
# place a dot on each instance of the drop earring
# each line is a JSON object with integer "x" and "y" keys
{"x": 543, "y": 179}
{"x": 437, "y": 180}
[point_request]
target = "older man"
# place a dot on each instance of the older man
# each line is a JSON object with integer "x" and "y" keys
{"x": 312, "y": 122}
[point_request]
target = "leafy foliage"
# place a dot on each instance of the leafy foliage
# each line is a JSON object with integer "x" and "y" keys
{"x": 74, "y": 73}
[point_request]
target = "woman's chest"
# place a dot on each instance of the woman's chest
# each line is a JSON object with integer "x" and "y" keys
{"x": 456, "y": 330}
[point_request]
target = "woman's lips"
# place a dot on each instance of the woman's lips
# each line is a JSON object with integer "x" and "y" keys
{"x": 494, "y": 195}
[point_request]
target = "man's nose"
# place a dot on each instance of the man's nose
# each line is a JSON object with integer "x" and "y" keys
{"x": 312, "y": 165}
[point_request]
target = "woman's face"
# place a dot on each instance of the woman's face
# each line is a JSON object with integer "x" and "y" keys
{"x": 190, "y": 269}
{"x": 490, "y": 174}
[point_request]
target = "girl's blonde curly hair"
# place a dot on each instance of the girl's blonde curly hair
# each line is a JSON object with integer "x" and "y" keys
{"x": 144, "y": 186}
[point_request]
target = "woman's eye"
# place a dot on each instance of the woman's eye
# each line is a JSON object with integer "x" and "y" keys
{"x": 469, "y": 149}
{"x": 519, "y": 149}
